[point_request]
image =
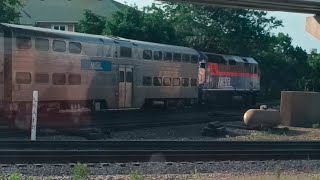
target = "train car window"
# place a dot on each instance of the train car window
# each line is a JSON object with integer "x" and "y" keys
{"x": 216, "y": 59}
{"x": 125, "y": 52}
{"x": 74, "y": 47}
{"x": 42, "y": 44}
{"x": 185, "y": 82}
{"x": 157, "y": 55}
{"x": 193, "y": 82}
{"x": 59, "y": 46}
{"x": 23, "y": 42}
{"x": 42, "y": 78}
{"x": 23, "y": 78}
{"x": 147, "y": 54}
{"x": 1, "y": 78}
{"x": 58, "y": 78}
{"x": 157, "y": 81}
{"x": 168, "y": 56}
{"x": 176, "y": 81}
{"x": 232, "y": 62}
{"x": 167, "y": 81}
{"x": 185, "y": 58}
{"x": 108, "y": 51}
{"x": 121, "y": 76}
{"x": 74, "y": 79}
{"x": 129, "y": 76}
{"x": 146, "y": 81}
{"x": 176, "y": 57}
{"x": 194, "y": 59}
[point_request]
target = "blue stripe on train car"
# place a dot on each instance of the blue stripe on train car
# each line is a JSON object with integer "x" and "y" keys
{"x": 96, "y": 65}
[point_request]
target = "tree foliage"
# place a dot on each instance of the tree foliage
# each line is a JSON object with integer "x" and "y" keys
{"x": 91, "y": 23}
{"x": 10, "y": 11}
{"x": 220, "y": 30}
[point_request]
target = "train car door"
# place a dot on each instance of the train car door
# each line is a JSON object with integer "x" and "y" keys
{"x": 125, "y": 87}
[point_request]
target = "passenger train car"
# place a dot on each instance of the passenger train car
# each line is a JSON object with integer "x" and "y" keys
{"x": 75, "y": 72}
{"x": 80, "y": 71}
{"x": 226, "y": 78}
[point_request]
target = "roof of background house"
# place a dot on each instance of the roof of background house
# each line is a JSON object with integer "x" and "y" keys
{"x": 65, "y": 10}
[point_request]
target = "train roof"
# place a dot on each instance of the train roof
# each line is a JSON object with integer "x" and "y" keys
{"x": 98, "y": 39}
{"x": 240, "y": 59}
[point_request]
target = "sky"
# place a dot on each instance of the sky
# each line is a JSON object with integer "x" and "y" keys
{"x": 293, "y": 24}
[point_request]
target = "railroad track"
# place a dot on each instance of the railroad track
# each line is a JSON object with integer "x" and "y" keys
{"x": 128, "y": 151}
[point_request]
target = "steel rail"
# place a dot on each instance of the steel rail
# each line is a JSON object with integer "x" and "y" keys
{"x": 124, "y": 151}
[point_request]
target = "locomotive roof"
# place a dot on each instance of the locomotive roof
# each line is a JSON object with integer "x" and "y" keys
{"x": 97, "y": 39}
{"x": 241, "y": 59}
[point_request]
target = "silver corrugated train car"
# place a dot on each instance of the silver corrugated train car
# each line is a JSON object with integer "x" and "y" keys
{"x": 73, "y": 71}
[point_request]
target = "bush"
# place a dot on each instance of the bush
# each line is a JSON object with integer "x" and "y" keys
{"x": 80, "y": 172}
{"x": 15, "y": 176}
{"x": 136, "y": 175}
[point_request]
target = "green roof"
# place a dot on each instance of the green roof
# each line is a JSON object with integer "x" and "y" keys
{"x": 65, "y": 10}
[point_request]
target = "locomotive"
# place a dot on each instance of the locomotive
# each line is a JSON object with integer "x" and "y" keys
{"x": 75, "y": 72}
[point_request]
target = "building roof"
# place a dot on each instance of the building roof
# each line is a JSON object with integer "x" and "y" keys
{"x": 65, "y": 10}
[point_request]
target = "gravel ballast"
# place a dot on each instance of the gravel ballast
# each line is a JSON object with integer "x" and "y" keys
{"x": 230, "y": 168}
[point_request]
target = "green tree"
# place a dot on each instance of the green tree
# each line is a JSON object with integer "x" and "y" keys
{"x": 10, "y": 11}
{"x": 150, "y": 24}
{"x": 91, "y": 23}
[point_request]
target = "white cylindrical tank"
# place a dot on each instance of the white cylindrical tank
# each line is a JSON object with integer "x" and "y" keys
{"x": 259, "y": 118}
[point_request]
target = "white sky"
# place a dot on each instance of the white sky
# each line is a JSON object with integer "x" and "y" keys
{"x": 294, "y": 25}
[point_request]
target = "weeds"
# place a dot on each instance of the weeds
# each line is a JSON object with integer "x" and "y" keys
{"x": 2, "y": 176}
{"x": 195, "y": 175}
{"x": 15, "y": 176}
{"x": 316, "y": 126}
{"x": 136, "y": 175}
{"x": 278, "y": 173}
{"x": 80, "y": 172}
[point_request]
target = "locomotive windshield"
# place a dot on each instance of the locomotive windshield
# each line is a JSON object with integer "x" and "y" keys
{"x": 216, "y": 59}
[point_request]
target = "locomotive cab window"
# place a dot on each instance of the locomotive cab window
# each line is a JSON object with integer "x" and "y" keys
{"x": 74, "y": 79}
{"x": 42, "y": 78}
{"x": 232, "y": 62}
{"x": 185, "y": 58}
{"x": 125, "y": 52}
{"x": 74, "y": 47}
{"x": 185, "y": 82}
{"x": 168, "y": 56}
{"x": 42, "y": 44}
{"x": 59, "y": 46}
{"x": 157, "y": 55}
{"x": 58, "y": 78}
{"x": 167, "y": 81}
{"x": 147, "y": 54}
{"x": 23, "y": 78}
{"x": 146, "y": 81}
{"x": 23, "y": 42}
{"x": 216, "y": 59}
{"x": 176, "y": 57}
{"x": 157, "y": 81}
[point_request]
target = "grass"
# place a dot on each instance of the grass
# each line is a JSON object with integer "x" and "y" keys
{"x": 80, "y": 172}
{"x": 195, "y": 175}
{"x": 15, "y": 176}
{"x": 136, "y": 175}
